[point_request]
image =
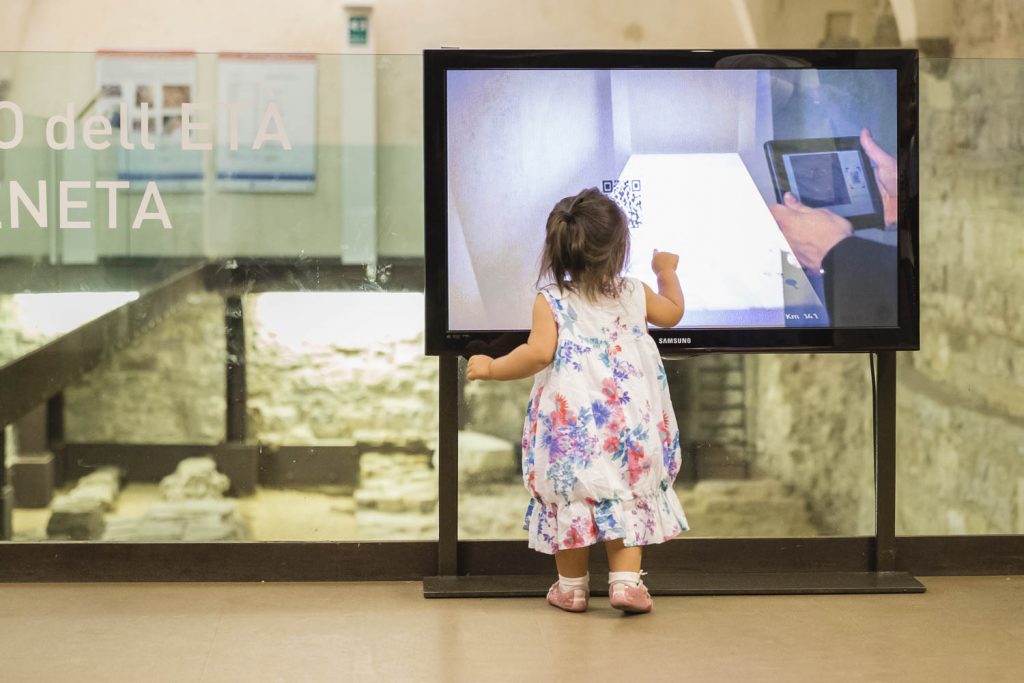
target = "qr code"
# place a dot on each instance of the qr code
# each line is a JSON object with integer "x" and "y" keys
{"x": 626, "y": 193}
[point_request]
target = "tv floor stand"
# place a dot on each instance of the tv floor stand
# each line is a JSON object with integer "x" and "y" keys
{"x": 874, "y": 572}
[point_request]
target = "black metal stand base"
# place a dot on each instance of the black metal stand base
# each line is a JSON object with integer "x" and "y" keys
{"x": 739, "y": 583}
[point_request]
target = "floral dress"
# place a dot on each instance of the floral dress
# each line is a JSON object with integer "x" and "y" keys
{"x": 600, "y": 441}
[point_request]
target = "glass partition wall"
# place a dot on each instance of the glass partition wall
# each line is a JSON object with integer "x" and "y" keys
{"x": 960, "y": 463}
{"x": 280, "y": 391}
{"x": 224, "y": 346}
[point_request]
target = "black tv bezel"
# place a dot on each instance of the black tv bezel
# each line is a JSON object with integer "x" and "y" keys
{"x": 905, "y": 336}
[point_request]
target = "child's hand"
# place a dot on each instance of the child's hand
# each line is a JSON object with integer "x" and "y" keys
{"x": 479, "y": 367}
{"x": 664, "y": 260}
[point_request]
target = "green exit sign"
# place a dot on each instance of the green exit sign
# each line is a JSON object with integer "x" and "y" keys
{"x": 358, "y": 27}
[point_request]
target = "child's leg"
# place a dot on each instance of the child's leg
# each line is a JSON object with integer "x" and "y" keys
{"x": 625, "y": 589}
{"x": 621, "y": 558}
{"x": 572, "y": 589}
{"x": 572, "y": 563}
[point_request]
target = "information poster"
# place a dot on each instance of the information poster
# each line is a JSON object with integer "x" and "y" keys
{"x": 266, "y": 128}
{"x": 141, "y": 94}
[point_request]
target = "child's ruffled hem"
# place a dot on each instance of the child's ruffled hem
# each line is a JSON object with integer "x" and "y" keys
{"x": 641, "y": 520}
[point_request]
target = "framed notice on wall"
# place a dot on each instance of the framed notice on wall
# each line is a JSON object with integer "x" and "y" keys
{"x": 266, "y": 122}
{"x": 142, "y": 93}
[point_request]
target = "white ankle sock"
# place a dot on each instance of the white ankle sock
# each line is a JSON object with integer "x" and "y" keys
{"x": 632, "y": 578}
{"x": 566, "y": 583}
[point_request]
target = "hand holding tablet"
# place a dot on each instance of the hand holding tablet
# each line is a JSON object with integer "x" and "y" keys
{"x": 810, "y": 232}
{"x": 835, "y": 174}
{"x": 885, "y": 175}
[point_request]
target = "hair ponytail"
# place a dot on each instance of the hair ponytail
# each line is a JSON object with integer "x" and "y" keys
{"x": 567, "y": 246}
{"x": 586, "y": 244}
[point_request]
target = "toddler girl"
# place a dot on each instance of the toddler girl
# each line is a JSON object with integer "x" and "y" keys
{"x": 600, "y": 442}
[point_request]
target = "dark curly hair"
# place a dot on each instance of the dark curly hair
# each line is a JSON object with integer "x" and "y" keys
{"x": 587, "y": 245}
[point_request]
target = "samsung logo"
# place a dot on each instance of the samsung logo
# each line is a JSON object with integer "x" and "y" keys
{"x": 675, "y": 340}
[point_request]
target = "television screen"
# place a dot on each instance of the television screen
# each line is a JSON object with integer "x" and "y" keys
{"x": 784, "y": 182}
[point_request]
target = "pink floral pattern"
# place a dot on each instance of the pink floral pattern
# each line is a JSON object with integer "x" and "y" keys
{"x": 597, "y": 421}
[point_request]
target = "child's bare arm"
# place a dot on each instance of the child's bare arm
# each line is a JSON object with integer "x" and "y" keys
{"x": 665, "y": 308}
{"x": 526, "y": 359}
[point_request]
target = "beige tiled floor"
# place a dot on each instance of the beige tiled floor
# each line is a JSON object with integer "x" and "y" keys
{"x": 962, "y": 629}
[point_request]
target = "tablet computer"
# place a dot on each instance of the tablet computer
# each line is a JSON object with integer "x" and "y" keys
{"x": 828, "y": 173}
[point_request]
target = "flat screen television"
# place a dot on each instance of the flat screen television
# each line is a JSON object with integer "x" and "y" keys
{"x": 785, "y": 180}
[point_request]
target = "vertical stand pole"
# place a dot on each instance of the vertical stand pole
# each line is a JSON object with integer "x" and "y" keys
{"x": 885, "y": 464}
{"x": 55, "y": 435}
{"x": 448, "y": 467}
{"x": 234, "y": 326}
{"x": 6, "y": 492}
